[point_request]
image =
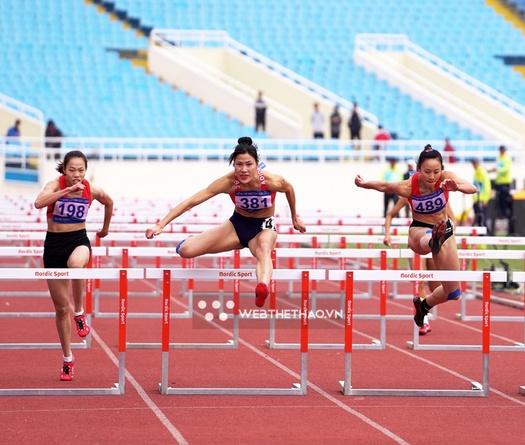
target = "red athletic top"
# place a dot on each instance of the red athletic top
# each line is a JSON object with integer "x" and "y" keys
{"x": 70, "y": 210}
{"x": 253, "y": 200}
{"x": 427, "y": 204}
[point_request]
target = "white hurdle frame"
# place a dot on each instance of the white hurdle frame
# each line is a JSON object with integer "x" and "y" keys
{"x": 116, "y": 274}
{"x": 488, "y": 254}
{"x": 477, "y": 254}
{"x": 148, "y": 252}
{"x": 519, "y": 277}
{"x": 235, "y": 274}
{"x": 383, "y": 255}
{"x": 38, "y": 251}
{"x": 476, "y": 390}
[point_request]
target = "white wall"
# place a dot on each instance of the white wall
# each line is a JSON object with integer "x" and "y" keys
{"x": 326, "y": 187}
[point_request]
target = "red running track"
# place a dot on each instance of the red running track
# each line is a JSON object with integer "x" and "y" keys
{"x": 323, "y": 415}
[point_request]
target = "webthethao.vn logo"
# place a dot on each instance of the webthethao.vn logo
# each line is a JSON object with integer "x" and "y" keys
{"x": 218, "y": 311}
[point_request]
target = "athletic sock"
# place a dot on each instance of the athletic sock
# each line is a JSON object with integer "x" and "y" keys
{"x": 68, "y": 359}
{"x": 425, "y": 305}
{"x": 79, "y": 313}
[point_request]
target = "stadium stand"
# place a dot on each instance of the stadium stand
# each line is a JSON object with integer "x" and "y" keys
{"x": 69, "y": 58}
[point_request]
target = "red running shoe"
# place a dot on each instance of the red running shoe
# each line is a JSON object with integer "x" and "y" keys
{"x": 82, "y": 326}
{"x": 425, "y": 329}
{"x": 261, "y": 294}
{"x": 66, "y": 373}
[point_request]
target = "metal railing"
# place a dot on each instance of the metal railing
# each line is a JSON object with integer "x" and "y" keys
{"x": 221, "y": 39}
{"x": 28, "y": 149}
{"x": 401, "y": 42}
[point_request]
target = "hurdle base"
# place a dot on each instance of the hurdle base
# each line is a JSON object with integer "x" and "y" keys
{"x": 517, "y": 347}
{"x": 295, "y": 390}
{"x": 375, "y": 345}
{"x": 179, "y": 315}
{"x": 82, "y": 345}
{"x": 522, "y": 390}
{"x": 115, "y": 390}
{"x": 230, "y": 344}
{"x": 511, "y": 318}
{"x": 475, "y": 391}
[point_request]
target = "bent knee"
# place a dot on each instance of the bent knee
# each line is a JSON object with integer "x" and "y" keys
{"x": 454, "y": 295}
{"x": 76, "y": 263}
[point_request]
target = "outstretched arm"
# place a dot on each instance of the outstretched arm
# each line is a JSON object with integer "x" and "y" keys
{"x": 402, "y": 188}
{"x": 220, "y": 185}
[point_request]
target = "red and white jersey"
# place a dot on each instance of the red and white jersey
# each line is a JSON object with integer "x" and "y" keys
{"x": 70, "y": 210}
{"x": 427, "y": 204}
{"x": 253, "y": 200}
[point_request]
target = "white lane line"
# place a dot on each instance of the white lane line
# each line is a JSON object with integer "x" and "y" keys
{"x": 142, "y": 393}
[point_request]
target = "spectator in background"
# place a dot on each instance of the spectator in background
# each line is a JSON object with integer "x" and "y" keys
{"x": 448, "y": 149}
{"x": 53, "y": 132}
{"x": 318, "y": 122}
{"x": 260, "y": 112}
{"x": 354, "y": 124}
{"x": 13, "y": 132}
{"x": 503, "y": 182}
{"x": 335, "y": 123}
{"x": 381, "y": 137}
{"x": 482, "y": 197}
{"x": 391, "y": 173}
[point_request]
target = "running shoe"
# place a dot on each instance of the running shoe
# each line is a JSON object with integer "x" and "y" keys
{"x": 419, "y": 317}
{"x": 261, "y": 294}
{"x": 438, "y": 236}
{"x": 82, "y": 326}
{"x": 425, "y": 329}
{"x": 66, "y": 373}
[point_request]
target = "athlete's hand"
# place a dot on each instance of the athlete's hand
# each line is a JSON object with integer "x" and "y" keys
{"x": 77, "y": 186}
{"x": 359, "y": 181}
{"x": 102, "y": 233}
{"x": 299, "y": 225}
{"x": 154, "y": 231}
{"x": 386, "y": 240}
{"x": 449, "y": 185}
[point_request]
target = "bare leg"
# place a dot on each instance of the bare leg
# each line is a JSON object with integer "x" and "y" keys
{"x": 446, "y": 259}
{"x": 418, "y": 238}
{"x": 78, "y": 259}
{"x": 59, "y": 290}
{"x": 219, "y": 239}
{"x": 261, "y": 248}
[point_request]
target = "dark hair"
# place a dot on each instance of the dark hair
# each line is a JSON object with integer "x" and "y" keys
{"x": 69, "y": 155}
{"x": 429, "y": 153}
{"x": 245, "y": 145}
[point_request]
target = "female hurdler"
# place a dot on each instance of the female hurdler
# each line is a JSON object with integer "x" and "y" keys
{"x": 68, "y": 198}
{"x": 427, "y": 191}
{"x": 252, "y": 224}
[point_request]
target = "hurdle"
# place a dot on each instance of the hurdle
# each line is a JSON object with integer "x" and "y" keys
{"x": 476, "y": 255}
{"x": 383, "y": 255}
{"x": 235, "y": 274}
{"x": 519, "y": 277}
{"x": 38, "y": 251}
{"x": 148, "y": 252}
{"x": 476, "y": 390}
{"x": 516, "y": 346}
{"x": 116, "y": 274}
{"x": 33, "y": 251}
